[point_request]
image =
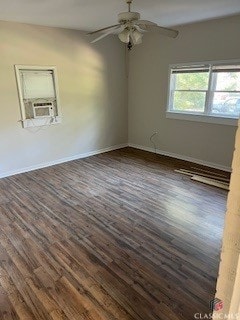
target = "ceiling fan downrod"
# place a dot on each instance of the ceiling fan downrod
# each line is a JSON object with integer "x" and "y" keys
{"x": 129, "y": 2}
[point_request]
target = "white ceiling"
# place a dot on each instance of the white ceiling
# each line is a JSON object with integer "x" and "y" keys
{"x": 93, "y": 14}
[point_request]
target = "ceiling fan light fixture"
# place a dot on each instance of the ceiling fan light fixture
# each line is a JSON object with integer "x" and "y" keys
{"x": 124, "y": 36}
{"x": 136, "y": 37}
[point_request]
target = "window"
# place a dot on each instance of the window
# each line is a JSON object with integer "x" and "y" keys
{"x": 207, "y": 90}
{"x": 37, "y": 88}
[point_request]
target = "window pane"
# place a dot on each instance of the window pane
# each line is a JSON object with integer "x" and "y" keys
{"x": 189, "y": 101}
{"x": 225, "y": 103}
{"x": 192, "y": 81}
{"x": 228, "y": 81}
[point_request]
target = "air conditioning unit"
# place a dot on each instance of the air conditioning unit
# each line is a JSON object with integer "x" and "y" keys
{"x": 43, "y": 109}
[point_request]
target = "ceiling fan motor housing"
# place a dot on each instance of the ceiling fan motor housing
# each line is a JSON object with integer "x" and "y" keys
{"x": 128, "y": 16}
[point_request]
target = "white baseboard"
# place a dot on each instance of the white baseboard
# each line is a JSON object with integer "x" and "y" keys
{"x": 181, "y": 157}
{"x": 67, "y": 159}
{"x": 124, "y": 145}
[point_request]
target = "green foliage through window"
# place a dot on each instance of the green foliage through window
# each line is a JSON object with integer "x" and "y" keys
{"x": 192, "y": 81}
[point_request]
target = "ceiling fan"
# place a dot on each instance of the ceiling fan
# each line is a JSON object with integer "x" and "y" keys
{"x": 130, "y": 28}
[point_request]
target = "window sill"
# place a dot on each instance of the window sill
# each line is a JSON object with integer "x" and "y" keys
{"x": 202, "y": 118}
{"x": 45, "y": 121}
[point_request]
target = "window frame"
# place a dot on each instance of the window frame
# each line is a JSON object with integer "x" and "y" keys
{"x": 37, "y": 122}
{"x": 205, "y": 116}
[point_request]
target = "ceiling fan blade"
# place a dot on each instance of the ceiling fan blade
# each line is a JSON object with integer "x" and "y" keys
{"x": 105, "y": 34}
{"x": 164, "y": 31}
{"x": 101, "y": 37}
{"x": 139, "y": 29}
{"x": 104, "y": 29}
{"x": 145, "y": 22}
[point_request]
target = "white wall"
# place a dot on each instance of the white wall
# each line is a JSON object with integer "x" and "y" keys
{"x": 148, "y": 85}
{"x": 92, "y": 85}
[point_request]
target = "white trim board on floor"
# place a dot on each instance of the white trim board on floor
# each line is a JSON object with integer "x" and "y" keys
{"x": 63, "y": 160}
{"x": 181, "y": 157}
{"x": 124, "y": 145}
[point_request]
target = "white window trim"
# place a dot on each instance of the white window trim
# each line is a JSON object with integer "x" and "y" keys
{"x": 201, "y": 118}
{"x": 198, "y": 117}
{"x": 37, "y": 122}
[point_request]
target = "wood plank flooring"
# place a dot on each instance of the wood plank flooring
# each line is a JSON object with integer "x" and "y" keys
{"x": 115, "y": 236}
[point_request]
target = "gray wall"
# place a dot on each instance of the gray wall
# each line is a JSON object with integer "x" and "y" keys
{"x": 148, "y": 85}
{"x": 92, "y": 86}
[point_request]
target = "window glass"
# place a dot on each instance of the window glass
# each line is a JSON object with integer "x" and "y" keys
{"x": 192, "y": 81}
{"x": 228, "y": 81}
{"x": 226, "y": 103}
{"x": 189, "y": 101}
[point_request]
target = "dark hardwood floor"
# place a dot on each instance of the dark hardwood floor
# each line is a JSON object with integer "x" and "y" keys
{"x": 115, "y": 236}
